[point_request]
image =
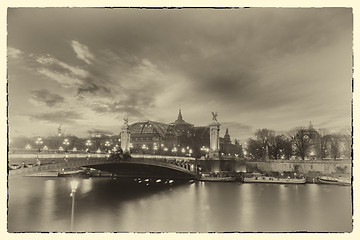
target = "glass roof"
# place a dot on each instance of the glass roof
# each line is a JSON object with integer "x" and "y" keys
{"x": 149, "y": 127}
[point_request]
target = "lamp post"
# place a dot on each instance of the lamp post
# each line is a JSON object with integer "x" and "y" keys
{"x": 174, "y": 150}
{"x": 107, "y": 145}
{"x": 66, "y": 143}
{"x": 74, "y": 184}
{"x": 38, "y": 142}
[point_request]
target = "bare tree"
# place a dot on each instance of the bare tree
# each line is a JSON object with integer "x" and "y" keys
{"x": 335, "y": 146}
{"x": 301, "y": 139}
{"x": 348, "y": 141}
{"x": 325, "y": 138}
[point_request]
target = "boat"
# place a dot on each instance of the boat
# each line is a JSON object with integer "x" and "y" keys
{"x": 216, "y": 178}
{"x": 333, "y": 181}
{"x": 44, "y": 174}
{"x": 266, "y": 179}
{"x": 73, "y": 173}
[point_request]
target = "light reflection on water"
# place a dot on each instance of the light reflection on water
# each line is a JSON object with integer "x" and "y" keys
{"x": 103, "y": 205}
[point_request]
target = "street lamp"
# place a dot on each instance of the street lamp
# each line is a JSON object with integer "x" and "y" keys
{"x": 107, "y": 145}
{"x": 174, "y": 150}
{"x": 88, "y": 144}
{"x": 66, "y": 143}
{"x": 155, "y": 148}
{"x": 190, "y": 152}
{"x": 38, "y": 142}
{"x": 74, "y": 184}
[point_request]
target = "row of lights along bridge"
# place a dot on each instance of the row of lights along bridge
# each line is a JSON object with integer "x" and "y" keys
{"x": 108, "y": 147}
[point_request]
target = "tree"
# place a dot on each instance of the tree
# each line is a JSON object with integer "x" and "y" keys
{"x": 324, "y": 139}
{"x": 347, "y": 139}
{"x": 264, "y": 136}
{"x": 254, "y": 149}
{"x": 280, "y": 146}
{"x": 335, "y": 146}
{"x": 301, "y": 140}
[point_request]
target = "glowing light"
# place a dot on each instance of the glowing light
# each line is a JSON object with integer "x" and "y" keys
{"x": 74, "y": 184}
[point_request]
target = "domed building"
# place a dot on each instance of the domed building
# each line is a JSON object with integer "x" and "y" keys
{"x": 153, "y": 137}
{"x": 177, "y": 138}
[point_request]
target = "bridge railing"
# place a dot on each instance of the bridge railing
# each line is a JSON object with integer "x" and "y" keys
{"x": 16, "y": 160}
{"x": 91, "y": 155}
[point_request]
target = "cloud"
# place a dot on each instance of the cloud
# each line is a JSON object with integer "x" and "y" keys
{"x": 52, "y": 62}
{"x": 43, "y": 96}
{"x": 13, "y": 52}
{"x": 122, "y": 84}
{"x": 64, "y": 79}
{"x": 82, "y": 52}
{"x": 68, "y": 76}
{"x": 61, "y": 116}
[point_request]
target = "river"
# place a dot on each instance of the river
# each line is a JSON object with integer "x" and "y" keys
{"x": 41, "y": 204}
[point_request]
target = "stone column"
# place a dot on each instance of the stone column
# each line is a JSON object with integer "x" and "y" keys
{"x": 214, "y": 152}
{"x": 125, "y": 137}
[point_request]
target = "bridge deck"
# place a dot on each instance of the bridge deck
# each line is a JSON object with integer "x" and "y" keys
{"x": 56, "y": 163}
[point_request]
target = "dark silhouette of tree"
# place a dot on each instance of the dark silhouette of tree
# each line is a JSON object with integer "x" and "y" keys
{"x": 325, "y": 138}
{"x": 280, "y": 146}
{"x": 335, "y": 146}
{"x": 348, "y": 141}
{"x": 255, "y": 149}
{"x": 264, "y": 136}
{"x": 301, "y": 140}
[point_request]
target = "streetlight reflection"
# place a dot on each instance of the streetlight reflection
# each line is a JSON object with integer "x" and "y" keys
{"x": 74, "y": 184}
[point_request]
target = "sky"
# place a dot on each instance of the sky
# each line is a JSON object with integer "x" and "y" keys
{"x": 88, "y": 68}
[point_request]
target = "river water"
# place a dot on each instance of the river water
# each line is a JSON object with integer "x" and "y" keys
{"x": 40, "y": 204}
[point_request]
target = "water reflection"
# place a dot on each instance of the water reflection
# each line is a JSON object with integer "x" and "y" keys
{"x": 104, "y": 205}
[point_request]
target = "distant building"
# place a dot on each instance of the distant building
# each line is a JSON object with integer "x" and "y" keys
{"x": 230, "y": 149}
{"x": 177, "y": 138}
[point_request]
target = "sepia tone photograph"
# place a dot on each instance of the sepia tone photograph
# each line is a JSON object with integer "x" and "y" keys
{"x": 168, "y": 120}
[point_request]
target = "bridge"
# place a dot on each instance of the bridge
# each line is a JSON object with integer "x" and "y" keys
{"x": 136, "y": 165}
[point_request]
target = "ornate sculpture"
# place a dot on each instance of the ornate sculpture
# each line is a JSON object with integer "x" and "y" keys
{"x": 214, "y": 114}
{"x": 126, "y": 120}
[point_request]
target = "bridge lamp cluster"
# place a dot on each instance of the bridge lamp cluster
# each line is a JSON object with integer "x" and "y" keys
{"x": 39, "y": 141}
{"x": 88, "y": 143}
{"x": 45, "y": 148}
{"x": 204, "y": 149}
{"x": 28, "y": 147}
{"x": 66, "y": 142}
